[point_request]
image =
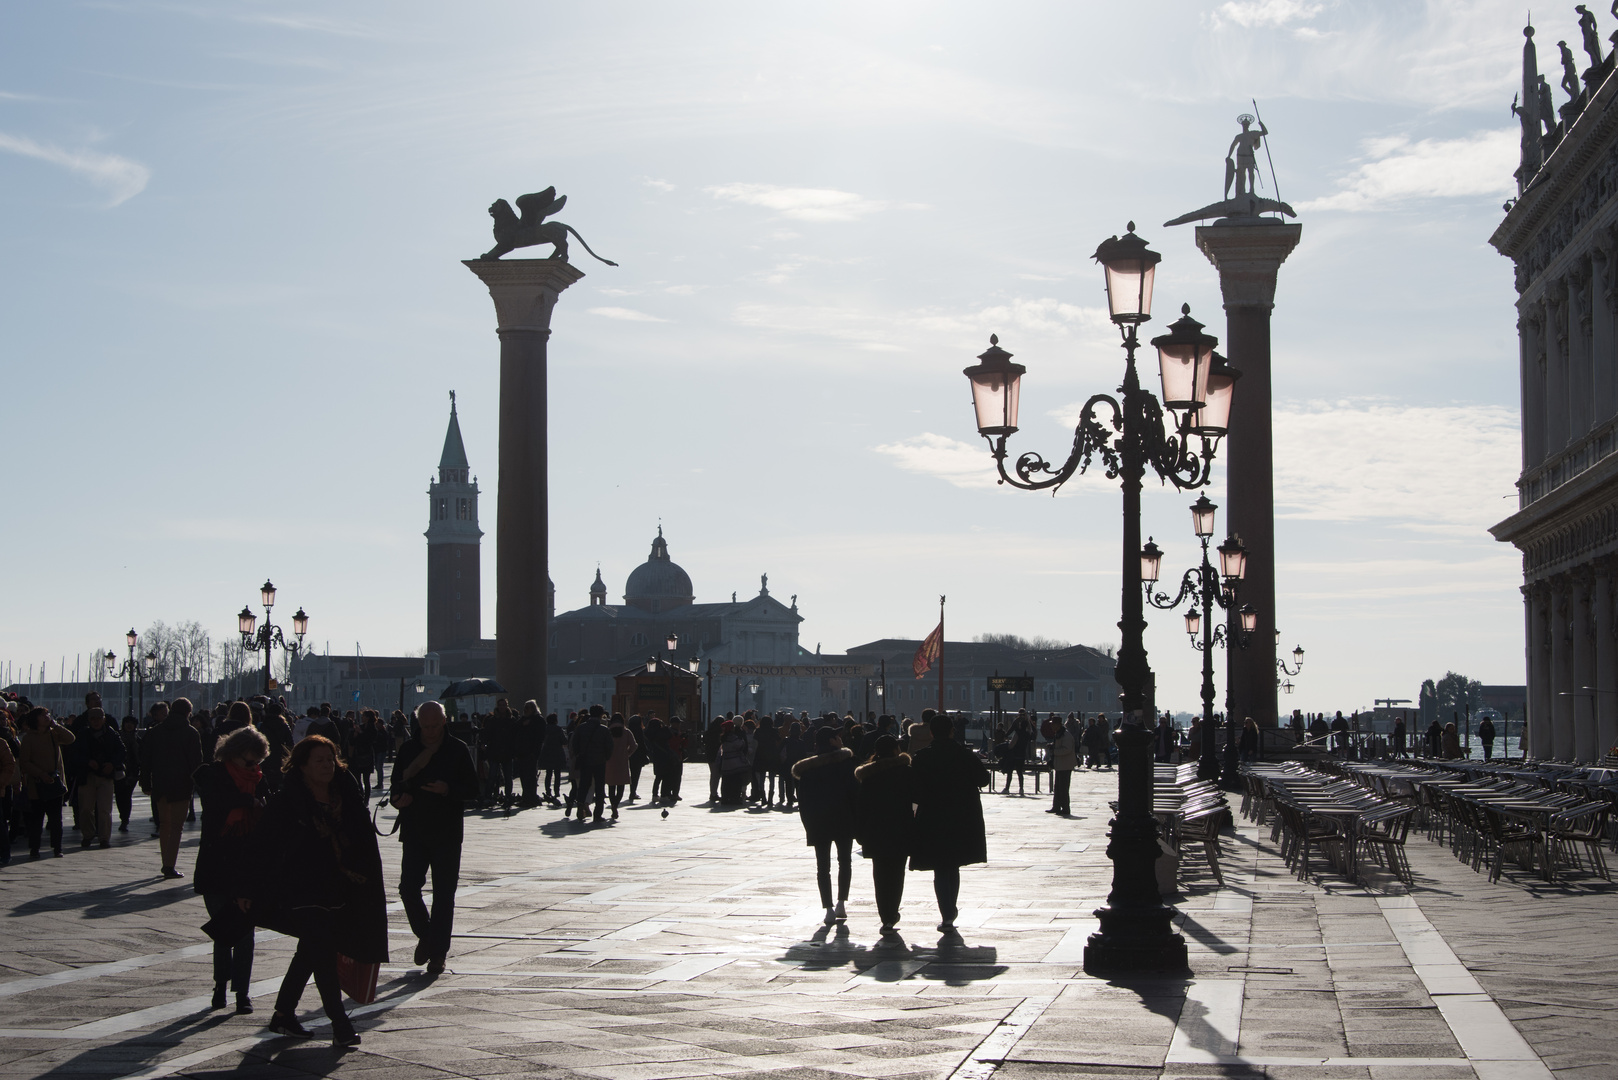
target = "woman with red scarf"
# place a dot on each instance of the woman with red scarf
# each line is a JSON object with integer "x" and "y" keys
{"x": 232, "y": 791}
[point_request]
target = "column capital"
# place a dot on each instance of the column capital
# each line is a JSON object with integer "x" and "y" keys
{"x": 1248, "y": 258}
{"x": 524, "y": 290}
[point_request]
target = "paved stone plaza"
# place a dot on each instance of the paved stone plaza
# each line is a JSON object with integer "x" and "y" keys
{"x": 692, "y": 946}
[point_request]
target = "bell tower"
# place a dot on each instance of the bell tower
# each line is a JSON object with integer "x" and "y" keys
{"x": 454, "y": 610}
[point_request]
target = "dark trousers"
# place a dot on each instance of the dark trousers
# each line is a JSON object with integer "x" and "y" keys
{"x": 845, "y": 869}
{"x": 634, "y": 780}
{"x": 442, "y": 856}
{"x": 592, "y": 784}
{"x": 1061, "y": 781}
{"x": 232, "y": 960}
{"x": 947, "y": 888}
{"x": 316, "y": 956}
{"x": 789, "y": 787}
{"x": 553, "y": 783}
{"x": 672, "y": 775}
{"x": 1488, "y": 749}
{"x": 528, "y": 773}
{"x": 888, "y": 882}
{"x": 5, "y": 827}
{"x": 123, "y": 795}
{"x": 43, "y": 808}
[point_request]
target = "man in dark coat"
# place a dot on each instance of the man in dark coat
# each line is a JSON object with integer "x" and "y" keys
{"x": 827, "y": 792}
{"x": 433, "y": 777}
{"x": 169, "y": 754}
{"x": 97, "y": 756}
{"x": 1486, "y": 737}
{"x": 949, "y": 815}
{"x": 591, "y": 746}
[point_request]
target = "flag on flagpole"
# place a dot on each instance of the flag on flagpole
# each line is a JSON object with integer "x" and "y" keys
{"x": 929, "y": 652}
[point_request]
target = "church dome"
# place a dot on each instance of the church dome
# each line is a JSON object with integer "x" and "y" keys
{"x": 658, "y": 584}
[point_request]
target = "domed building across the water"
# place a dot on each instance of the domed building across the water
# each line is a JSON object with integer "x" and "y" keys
{"x": 592, "y": 644}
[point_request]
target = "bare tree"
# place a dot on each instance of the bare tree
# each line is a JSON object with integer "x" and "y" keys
{"x": 1022, "y": 644}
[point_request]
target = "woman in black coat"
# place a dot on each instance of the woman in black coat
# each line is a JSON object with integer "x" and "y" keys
{"x": 1018, "y": 746}
{"x": 886, "y": 823}
{"x": 322, "y": 882}
{"x": 826, "y": 793}
{"x": 232, "y": 791}
{"x": 949, "y": 815}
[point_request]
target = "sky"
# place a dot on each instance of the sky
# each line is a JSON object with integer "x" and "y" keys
{"x": 232, "y": 308}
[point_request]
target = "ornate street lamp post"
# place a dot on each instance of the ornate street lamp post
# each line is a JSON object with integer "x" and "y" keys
{"x": 257, "y": 638}
{"x": 1128, "y": 433}
{"x": 1204, "y": 587}
{"x": 135, "y": 671}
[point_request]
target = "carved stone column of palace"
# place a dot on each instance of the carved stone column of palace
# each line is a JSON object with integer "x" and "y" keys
{"x": 1248, "y": 258}
{"x": 524, "y": 293}
{"x": 1581, "y": 381}
{"x": 1537, "y": 603}
{"x": 1584, "y": 665}
{"x": 1606, "y": 646}
{"x": 1605, "y": 387}
{"x": 1556, "y": 381}
{"x": 1561, "y": 680}
{"x": 1531, "y": 327}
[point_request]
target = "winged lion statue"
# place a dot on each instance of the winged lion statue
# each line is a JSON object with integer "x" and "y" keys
{"x": 512, "y": 231}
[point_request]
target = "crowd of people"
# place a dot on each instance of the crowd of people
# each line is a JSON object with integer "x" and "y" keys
{"x": 288, "y": 807}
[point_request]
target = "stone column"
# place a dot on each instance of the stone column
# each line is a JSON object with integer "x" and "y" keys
{"x": 1606, "y": 648}
{"x": 1248, "y": 258}
{"x": 524, "y": 292}
{"x": 1584, "y": 665}
{"x": 1537, "y": 736}
{"x": 1561, "y": 681}
{"x": 1531, "y": 335}
{"x": 1556, "y": 373}
{"x": 1580, "y": 379}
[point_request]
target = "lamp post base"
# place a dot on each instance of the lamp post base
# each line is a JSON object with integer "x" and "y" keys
{"x": 1137, "y": 928}
{"x": 1138, "y": 940}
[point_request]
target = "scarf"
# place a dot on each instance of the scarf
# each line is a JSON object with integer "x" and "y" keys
{"x": 246, "y": 781}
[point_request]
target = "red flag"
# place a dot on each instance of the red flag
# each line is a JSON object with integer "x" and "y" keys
{"x": 930, "y": 649}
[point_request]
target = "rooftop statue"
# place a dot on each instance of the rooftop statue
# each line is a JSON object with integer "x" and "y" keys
{"x": 1592, "y": 40}
{"x": 1241, "y": 170}
{"x": 512, "y": 232}
{"x": 1570, "y": 71}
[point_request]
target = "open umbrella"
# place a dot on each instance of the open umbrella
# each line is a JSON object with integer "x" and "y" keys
{"x": 471, "y": 688}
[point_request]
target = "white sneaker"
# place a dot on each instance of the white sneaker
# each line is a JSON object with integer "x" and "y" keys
{"x": 831, "y": 916}
{"x": 840, "y": 912}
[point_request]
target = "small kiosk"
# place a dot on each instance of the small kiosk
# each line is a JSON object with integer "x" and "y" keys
{"x": 649, "y": 690}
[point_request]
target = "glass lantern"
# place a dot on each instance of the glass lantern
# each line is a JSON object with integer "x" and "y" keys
{"x": 1130, "y": 267}
{"x": 1184, "y": 356}
{"x": 996, "y": 386}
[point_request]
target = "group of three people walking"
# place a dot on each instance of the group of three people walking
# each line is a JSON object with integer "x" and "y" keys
{"x": 924, "y": 811}
{"x": 303, "y": 860}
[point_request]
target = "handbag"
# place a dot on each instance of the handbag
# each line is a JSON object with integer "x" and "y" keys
{"x": 357, "y": 980}
{"x": 55, "y": 789}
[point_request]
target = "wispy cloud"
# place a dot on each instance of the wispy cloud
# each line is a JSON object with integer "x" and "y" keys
{"x": 657, "y": 185}
{"x": 1020, "y": 318}
{"x": 121, "y": 178}
{"x": 1252, "y": 13}
{"x": 1399, "y": 171}
{"x": 963, "y": 464}
{"x": 805, "y": 204}
{"x": 624, "y": 314}
{"x": 1442, "y": 469}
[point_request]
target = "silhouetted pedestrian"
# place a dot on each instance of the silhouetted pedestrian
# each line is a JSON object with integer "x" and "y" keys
{"x": 826, "y": 794}
{"x": 233, "y": 794}
{"x": 321, "y": 883}
{"x": 949, "y": 816}
{"x": 885, "y": 824}
{"x": 433, "y": 778}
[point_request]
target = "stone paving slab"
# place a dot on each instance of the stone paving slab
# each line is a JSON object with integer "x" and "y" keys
{"x": 692, "y": 946}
